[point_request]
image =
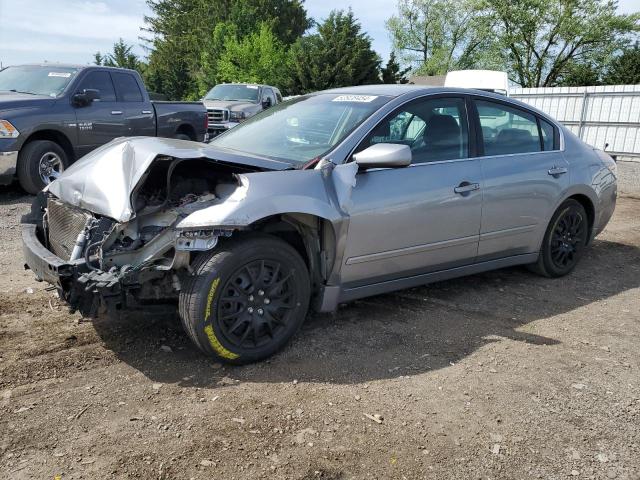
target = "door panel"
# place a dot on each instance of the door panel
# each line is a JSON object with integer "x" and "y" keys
{"x": 139, "y": 116}
{"x": 519, "y": 197}
{"x": 409, "y": 220}
{"x": 102, "y": 120}
{"x": 522, "y": 181}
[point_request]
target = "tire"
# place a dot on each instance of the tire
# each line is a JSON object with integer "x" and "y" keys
{"x": 182, "y": 136}
{"x": 35, "y": 154}
{"x": 246, "y": 299}
{"x": 564, "y": 241}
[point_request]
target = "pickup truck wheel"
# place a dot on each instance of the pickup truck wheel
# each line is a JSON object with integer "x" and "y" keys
{"x": 246, "y": 299}
{"x": 182, "y": 136}
{"x": 39, "y": 163}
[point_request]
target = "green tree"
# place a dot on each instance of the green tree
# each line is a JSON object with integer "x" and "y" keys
{"x": 339, "y": 54}
{"x": 392, "y": 73}
{"x": 122, "y": 56}
{"x": 257, "y": 58}
{"x": 625, "y": 69}
{"x": 544, "y": 39}
{"x": 581, "y": 74}
{"x": 436, "y": 36}
{"x": 181, "y": 34}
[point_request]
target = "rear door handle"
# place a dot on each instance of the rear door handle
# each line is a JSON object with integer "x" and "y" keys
{"x": 466, "y": 187}
{"x": 557, "y": 171}
{"x": 116, "y": 112}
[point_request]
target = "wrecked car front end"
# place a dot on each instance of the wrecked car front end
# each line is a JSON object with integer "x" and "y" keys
{"x": 116, "y": 231}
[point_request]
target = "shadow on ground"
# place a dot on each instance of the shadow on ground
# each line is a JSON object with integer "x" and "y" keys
{"x": 403, "y": 333}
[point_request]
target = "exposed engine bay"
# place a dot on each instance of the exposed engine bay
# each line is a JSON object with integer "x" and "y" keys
{"x": 145, "y": 255}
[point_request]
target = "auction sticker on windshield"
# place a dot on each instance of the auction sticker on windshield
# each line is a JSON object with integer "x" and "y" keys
{"x": 355, "y": 98}
{"x": 59, "y": 74}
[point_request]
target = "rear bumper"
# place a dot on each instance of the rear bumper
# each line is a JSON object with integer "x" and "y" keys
{"x": 8, "y": 162}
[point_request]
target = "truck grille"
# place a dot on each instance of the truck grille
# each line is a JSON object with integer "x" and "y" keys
{"x": 218, "y": 115}
{"x": 65, "y": 223}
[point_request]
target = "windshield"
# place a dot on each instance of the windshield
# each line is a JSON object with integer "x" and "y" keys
{"x": 301, "y": 129}
{"x": 244, "y": 93}
{"x": 36, "y": 80}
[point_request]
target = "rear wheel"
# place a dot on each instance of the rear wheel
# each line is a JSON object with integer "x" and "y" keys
{"x": 182, "y": 136}
{"x": 245, "y": 300}
{"x": 564, "y": 241}
{"x": 40, "y": 162}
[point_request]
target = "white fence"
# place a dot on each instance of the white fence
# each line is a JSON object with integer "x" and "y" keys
{"x": 598, "y": 115}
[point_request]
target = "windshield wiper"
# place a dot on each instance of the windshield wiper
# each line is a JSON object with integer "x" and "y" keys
{"x": 18, "y": 91}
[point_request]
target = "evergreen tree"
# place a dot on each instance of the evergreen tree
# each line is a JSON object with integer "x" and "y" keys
{"x": 339, "y": 54}
{"x": 625, "y": 69}
{"x": 184, "y": 46}
{"x": 122, "y": 57}
{"x": 392, "y": 73}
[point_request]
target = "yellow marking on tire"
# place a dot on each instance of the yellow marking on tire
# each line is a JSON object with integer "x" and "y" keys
{"x": 212, "y": 292}
{"x": 217, "y": 346}
{"x": 213, "y": 340}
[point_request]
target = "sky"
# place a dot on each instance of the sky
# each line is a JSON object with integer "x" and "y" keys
{"x": 72, "y": 31}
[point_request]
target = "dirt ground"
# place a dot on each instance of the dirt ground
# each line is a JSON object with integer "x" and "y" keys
{"x": 499, "y": 375}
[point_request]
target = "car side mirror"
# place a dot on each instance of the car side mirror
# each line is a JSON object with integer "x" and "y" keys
{"x": 86, "y": 97}
{"x": 266, "y": 103}
{"x": 384, "y": 155}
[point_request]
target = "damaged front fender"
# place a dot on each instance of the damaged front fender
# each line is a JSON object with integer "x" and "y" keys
{"x": 265, "y": 194}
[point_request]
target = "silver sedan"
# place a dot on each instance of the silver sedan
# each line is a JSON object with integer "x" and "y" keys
{"x": 320, "y": 200}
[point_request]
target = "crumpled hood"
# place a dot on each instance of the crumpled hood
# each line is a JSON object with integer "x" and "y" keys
{"x": 103, "y": 180}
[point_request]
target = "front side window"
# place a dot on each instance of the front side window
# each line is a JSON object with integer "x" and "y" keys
{"x": 435, "y": 129}
{"x": 101, "y": 81}
{"x": 36, "y": 80}
{"x": 302, "y": 129}
{"x": 507, "y": 130}
{"x": 127, "y": 87}
{"x": 269, "y": 96}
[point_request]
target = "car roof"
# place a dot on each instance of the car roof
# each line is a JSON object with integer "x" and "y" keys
{"x": 71, "y": 65}
{"x": 396, "y": 90}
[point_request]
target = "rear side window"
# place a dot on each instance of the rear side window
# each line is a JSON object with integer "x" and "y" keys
{"x": 547, "y": 132}
{"x": 278, "y": 95}
{"x": 100, "y": 81}
{"x": 126, "y": 87}
{"x": 507, "y": 130}
{"x": 434, "y": 128}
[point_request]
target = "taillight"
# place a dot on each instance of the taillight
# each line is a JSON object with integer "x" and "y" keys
{"x": 206, "y": 121}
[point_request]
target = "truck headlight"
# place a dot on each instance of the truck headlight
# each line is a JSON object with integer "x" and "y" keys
{"x": 7, "y": 130}
{"x": 237, "y": 116}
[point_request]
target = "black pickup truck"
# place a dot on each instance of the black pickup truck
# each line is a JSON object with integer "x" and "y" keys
{"x": 51, "y": 115}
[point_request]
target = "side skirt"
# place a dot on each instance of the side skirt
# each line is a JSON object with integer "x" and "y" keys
{"x": 332, "y": 296}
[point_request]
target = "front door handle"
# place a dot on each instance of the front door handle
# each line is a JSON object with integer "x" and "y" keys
{"x": 466, "y": 187}
{"x": 116, "y": 112}
{"x": 557, "y": 171}
{"x": 146, "y": 112}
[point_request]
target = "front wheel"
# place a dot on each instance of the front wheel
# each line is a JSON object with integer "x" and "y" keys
{"x": 246, "y": 299}
{"x": 564, "y": 241}
{"x": 40, "y": 162}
